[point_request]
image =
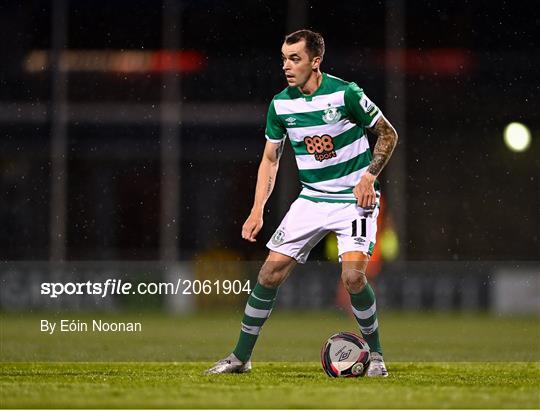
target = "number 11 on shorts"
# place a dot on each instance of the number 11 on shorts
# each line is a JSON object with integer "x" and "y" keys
{"x": 354, "y": 230}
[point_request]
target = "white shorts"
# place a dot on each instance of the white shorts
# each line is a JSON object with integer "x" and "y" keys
{"x": 307, "y": 222}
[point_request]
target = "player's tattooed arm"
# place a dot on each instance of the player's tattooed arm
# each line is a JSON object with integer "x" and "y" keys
{"x": 386, "y": 142}
{"x": 270, "y": 186}
{"x": 270, "y": 163}
{"x": 266, "y": 178}
{"x": 387, "y": 138}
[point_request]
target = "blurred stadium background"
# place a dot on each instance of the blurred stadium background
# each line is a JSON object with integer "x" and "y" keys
{"x": 132, "y": 131}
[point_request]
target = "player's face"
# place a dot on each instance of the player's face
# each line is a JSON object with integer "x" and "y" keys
{"x": 297, "y": 65}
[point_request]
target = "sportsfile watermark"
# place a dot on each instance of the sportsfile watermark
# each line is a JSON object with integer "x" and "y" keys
{"x": 447, "y": 311}
{"x": 112, "y": 287}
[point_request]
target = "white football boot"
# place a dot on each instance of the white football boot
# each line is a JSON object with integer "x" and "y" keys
{"x": 230, "y": 364}
{"x": 376, "y": 366}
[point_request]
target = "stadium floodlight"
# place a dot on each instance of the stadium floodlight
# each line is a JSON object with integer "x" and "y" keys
{"x": 517, "y": 137}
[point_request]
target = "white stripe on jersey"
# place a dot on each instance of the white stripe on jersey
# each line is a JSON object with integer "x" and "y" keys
{"x": 300, "y": 105}
{"x": 339, "y": 184}
{"x": 308, "y": 161}
{"x": 299, "y": 133}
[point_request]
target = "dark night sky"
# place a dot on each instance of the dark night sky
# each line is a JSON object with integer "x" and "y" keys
{"x": 218, "y": 25}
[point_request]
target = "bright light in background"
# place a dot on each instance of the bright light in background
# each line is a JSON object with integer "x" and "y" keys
{"x": 517, "y": 137}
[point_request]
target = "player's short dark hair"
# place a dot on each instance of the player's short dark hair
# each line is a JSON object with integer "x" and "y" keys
{"x": 314, "y": 41}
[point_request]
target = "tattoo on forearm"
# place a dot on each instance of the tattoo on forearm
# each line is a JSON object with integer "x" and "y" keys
{"x": 386, "y": 141}
{"x": 269, "y": 186}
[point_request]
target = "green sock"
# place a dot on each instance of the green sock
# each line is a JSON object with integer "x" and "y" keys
{"x": 258, "y": 309}
{"x": 365, "y": 311}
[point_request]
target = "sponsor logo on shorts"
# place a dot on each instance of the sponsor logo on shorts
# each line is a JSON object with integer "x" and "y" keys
{"x": 359, "y": 241}
{"x": 279, "y": 237}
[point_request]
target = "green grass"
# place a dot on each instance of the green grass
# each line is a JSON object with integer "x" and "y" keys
{"x": 285, "y": 337}
{"x": 269, "y": 385}
{"x": 435, "y": 361}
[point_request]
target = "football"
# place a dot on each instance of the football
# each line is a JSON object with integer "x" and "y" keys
{"x": 345, "y": 354}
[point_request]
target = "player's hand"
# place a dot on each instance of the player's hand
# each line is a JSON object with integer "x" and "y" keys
{"x": 252, "y": 226}
{"x": 364, "y": 191}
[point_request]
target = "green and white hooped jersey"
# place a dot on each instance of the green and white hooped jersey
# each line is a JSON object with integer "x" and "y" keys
{"x": 327, "y": 133}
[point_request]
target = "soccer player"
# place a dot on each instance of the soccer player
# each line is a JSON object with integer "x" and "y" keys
{"x": 325, "y": 119}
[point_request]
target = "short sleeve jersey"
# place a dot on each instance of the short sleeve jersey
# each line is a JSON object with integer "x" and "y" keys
{"x": 327, "y": 133}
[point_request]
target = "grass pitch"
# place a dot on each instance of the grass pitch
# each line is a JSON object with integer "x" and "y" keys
{"x": 269, "y": 385}
{"x": 435, "y": 361}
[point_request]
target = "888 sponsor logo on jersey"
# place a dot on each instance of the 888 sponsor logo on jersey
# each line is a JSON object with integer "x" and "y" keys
{"x": 322, "y": 147}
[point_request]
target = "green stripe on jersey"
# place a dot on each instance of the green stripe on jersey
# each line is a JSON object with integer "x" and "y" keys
{"x": 376, "y": 186}
{"x": 316, "y": 175}
{"x": 327, "y": 200}
{"x": 347, "y": 191}
{"x": 340, "y": 141}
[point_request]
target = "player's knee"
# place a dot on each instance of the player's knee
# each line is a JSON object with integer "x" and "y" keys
{"x": 272, "y": 275}
{"x": 354, "y": 280}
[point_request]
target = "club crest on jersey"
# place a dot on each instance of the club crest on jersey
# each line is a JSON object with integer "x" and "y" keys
{"x": 278, "y": 237}
{"x": 331, "y": 115}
